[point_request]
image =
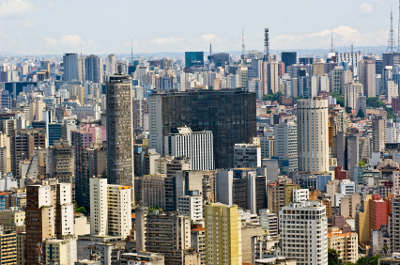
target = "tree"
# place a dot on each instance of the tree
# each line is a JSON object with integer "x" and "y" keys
{"x": 348, "y": 109}
{"x": 368, "y": 260}
{"x": 361, "y": 114}
{"x": 333, "y": 258}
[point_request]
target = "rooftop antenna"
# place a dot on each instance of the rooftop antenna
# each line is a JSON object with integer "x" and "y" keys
{"x": 332, "y": 44}
{"x": 391, "y": 32}
{"x": 131, "y": 51}
{"x": 210, "y": 49}
{"x": 266, "y": 44}
{"x": 243, "y": 45}
{"x": 398, "y": 32}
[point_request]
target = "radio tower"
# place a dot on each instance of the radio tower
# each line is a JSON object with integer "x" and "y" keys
{"x": 391, "y": 32}
{"x": 243, "y": 45}
{"x": 266, "y": 44}
{"x": 398, "y": 32}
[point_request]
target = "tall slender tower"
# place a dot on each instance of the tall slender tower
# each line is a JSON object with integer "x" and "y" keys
{"x": 266, "y": 44}
{"x": 391, "y": 34}
{"x": 312, "y": 135}
{"x": 119, "y": 130}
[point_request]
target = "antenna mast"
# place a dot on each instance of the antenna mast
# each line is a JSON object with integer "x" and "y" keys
{"x": 398, "y": 32}
{"x": 243, "y": 45}
{"x": 391, "y": 33}
{"x": 266, "y": 44}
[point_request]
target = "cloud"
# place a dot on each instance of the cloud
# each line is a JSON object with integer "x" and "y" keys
{"x": 14, "y": 7}
{"x": 343, "y": 36}
{"x": 167, "y": 40}
{"x": 366, "y": 8}
{"x": 209, "y": 37}
{"x": 72, "y": 40}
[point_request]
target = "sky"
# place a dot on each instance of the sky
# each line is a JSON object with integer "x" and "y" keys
{"x": 113, "y": 26}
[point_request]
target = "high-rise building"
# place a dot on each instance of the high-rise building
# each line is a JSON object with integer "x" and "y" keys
{"x": 289, "y": 58}
{"x": 93, "y": 69}
{"x": 345, "y": 244}
{"x": 111, "y": 65}
{"x": 223, "y": 234}
{"x": 378, "y": 134}
{"x": 336, "y": 80}
{"x": 119, "y": 210}
{"x": 280, "y": 194}
{"x": 8, "y": 246}
{"x": 229, "y": 114}
{"x": 71, "y": 68}
{"x": 60, "y": 251}
{"x": 60, "y": 163}
{"x": 191, "y": 205}
{"x": 98, "y": 206}
{"x": 304, "y": 232}
{"x": 49, "y": 214}
{"x": 194, "y": 60}
{"x": 312, "y": 135}
{"x": 242, "y": 187}
{"x": 197, "y": 146}
{"x": 352, "y": 93}
{"x": 168, "y": 234}
{"x": 367, "y": 73}
{"x": 395, "y": 224}
{"x": 247, "y": 155}
{"x": 23, "y": 145}
{"x": 110, "y": 208}
{"x": 285, "y": 145}
{"x": 81, "y": 140}
{"x": 119, "y": 131}
{"x": 270, "y": 76}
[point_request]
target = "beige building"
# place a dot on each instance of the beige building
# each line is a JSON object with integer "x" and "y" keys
{"x": 12, "y": 218}
{"x": 312, "y": 133}
{"x": 346, "y": 244}
{"x": 60, "y": 251}
{"x": 8, "y": 247}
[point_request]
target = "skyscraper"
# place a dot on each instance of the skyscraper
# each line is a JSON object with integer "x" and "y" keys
{"x": 119, "y": 131}
{"x": 198, "y": 146}
{"x": 289, "y": 58}
{"x": 71, "y": 67}
{"x": 304, "y": 232}
{"x": 93, "y": 69}
{"x": 367, "y": 73}
{"x": 229, "y": 114}
{"x": 378, "y": 134}
{"x": 223, "y": 234}
{"x": 285, "y": 147}
{"x": 312, "y": 135}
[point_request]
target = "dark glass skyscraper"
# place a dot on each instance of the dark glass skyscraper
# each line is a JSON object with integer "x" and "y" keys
{"x": 229, "y": 114}
{"x": 289, "y": 58}
{"x": 194, "y": 59}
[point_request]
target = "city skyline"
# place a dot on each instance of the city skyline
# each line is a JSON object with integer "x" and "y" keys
{"x": 47, "y": 27}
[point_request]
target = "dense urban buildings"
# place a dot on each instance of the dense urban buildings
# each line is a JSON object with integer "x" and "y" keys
{"x": 201, "y": 157}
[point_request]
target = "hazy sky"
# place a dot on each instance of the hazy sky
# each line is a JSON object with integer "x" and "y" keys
{"x": 104, "y": 26}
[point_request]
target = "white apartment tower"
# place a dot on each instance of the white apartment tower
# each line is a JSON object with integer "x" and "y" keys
{"x": 312, "y": 135}
{"x": 98, "y": 206}
{"x": 119, "y": 210}
{"x": 195, "y": 145}
{"x": 352, "y": 93}
{"x": 285, "y": 148}
{"x": 110, "y": 208}
{"x": 304, "y": 232}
